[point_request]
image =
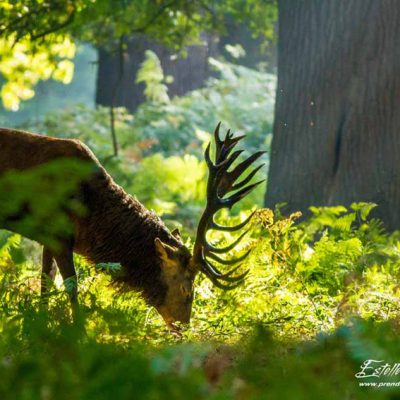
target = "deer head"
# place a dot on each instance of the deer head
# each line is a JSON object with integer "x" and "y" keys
{"x": 179, "y": 267}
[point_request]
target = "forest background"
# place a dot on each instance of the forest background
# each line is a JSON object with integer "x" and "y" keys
{"x": 144, "y": 83}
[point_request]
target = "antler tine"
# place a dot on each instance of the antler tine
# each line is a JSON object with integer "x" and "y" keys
{"x": 218, "y": 143}
{"x": 213, "y": 270}
{"x": 220, "y": 250}
{"x": 227, "y": 162}
{"x": 214, "y": 225}
{"x": 240, "y": 168}
{"x": 227, "y": 183}
{"x": 224, "y": 147}
{"x": 220, "y": 285}
{"x": 232, "y": 279}
{"x": 228, "y": 144}
{"x": 207, "y": 156}
{"x": 232, "y": 261}
{"x": 223, "y": 165}
{"x": 230, "y": 201}
{"x": 248, "y": 178}
{"x": 221, "y": 181}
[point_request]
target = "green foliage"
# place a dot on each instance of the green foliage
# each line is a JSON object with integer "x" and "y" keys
{"x": 152, "y": 75}
{"x": 54, "y": 95}
{"x": 293, "y": 322}
{"x": 37, "y": 37}
{"x": 101, "y": 21}
{"x": 242, "y": 98}
{"x": 173, "y": 187}
{"x": 25, "y": 193}
{"x": 91, "y": 126}
{"x": 22, "y": 65}
{"x": 259, "y": 15}
{"x": 322, "y": 369}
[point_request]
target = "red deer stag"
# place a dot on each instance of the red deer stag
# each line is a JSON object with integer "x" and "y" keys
{"x": 117, "y": 228}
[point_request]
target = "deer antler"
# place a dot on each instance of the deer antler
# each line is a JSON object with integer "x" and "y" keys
{"x": 220, "y": 182}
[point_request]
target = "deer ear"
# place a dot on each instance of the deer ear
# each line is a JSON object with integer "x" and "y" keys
{"x": 163, "y": 250}
{"x": 176, "y": 233}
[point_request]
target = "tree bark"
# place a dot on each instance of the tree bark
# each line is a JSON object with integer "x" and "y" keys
{"x": 336, "y": 132}
{"x": 189, "y": 72}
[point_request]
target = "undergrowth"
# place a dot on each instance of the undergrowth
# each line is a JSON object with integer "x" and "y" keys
{"x": 321, "y": 299}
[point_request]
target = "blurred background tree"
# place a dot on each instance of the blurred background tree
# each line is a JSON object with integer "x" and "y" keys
{"x": 187, "y": 69}
{"x": 121, "y": 31}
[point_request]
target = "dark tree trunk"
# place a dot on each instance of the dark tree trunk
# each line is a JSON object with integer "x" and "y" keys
{"x": 110, "y": 85}
{"x": 336, "y": 134}
{"x": 189, "y": 72}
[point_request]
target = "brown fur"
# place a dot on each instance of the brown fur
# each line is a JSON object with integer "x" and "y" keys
{"x": 116, "y": 228}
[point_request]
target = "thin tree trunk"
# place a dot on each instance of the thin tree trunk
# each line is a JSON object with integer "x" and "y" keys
{"x": 336, "y": 134}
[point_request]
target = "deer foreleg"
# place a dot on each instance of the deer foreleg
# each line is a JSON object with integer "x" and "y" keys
{"x": 49, "y": 270}
{"x": 65, "y": 262}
